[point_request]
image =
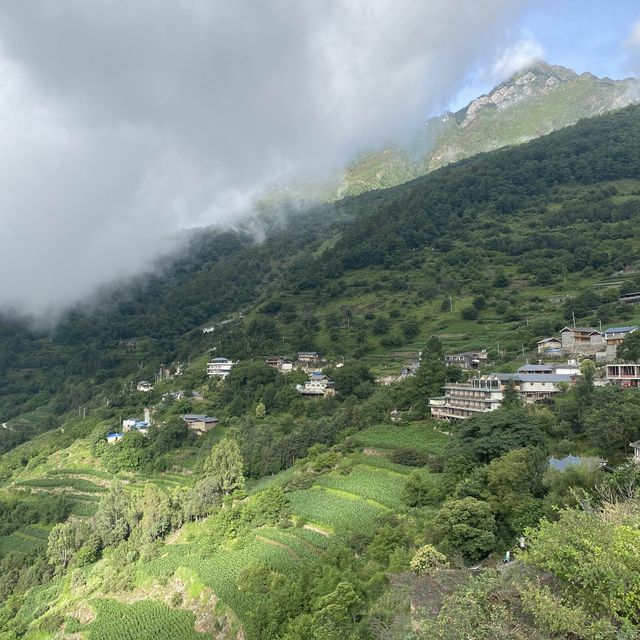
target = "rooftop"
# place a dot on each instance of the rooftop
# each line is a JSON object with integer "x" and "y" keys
{"x": 621, "y": 329}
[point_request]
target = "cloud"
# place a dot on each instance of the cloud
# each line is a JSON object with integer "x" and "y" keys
{"x": 515, "y": 57}
{"x": 632, "y": 47}
{"x": 126, "y": 121}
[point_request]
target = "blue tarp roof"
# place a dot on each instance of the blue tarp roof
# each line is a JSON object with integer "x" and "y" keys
{"x": 563, "y": 464}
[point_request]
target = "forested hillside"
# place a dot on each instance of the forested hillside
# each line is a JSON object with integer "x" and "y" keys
{"x": 354, "y": 516}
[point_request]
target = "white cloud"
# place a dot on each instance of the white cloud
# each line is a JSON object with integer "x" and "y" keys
{"x": 632, "y": 46}
{"x": 515, "y": 57}
{"x": 126, "y": 121}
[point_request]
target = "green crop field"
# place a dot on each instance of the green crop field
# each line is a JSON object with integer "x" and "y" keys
{"x": 146, "y": 619}
{"x": 370, "y": 483}
{"x": 338, "y": 511}
{"x": 78, "y": 484}
{"x": 220, "y": 570}
{"x": 418, "y": 435}
{"x": 24, "y": 540}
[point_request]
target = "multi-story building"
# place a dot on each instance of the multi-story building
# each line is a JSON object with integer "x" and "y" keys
{"x": 220, "y": 367}
{"x": 624, "y": 375}
{"x": 467, "y": 360}
{"x": 486, "y": 393}
{"x": 317, "y": 385}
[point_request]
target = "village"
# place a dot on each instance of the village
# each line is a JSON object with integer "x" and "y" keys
{"x": 558, "y": 367}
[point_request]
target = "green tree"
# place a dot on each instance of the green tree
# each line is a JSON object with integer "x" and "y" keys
{"x": 466, "y": 528}
{"x": 427, "y": 560}
{"x": 156, "y": 515}
{"x": 111, "y": 521}
{"x": 224, "y": 467}
{"x": 416, "y": 491}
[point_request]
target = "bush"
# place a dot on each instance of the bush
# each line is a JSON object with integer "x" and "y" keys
{"x": 469, "y": 313}
{"x": 410, "y": 457}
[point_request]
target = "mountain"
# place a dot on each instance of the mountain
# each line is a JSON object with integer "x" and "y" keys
{"x": 335, "y": 518}
{"x": 534, "y": 102}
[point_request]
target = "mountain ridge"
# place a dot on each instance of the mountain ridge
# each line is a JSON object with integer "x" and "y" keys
{"x": 539, "y": 99}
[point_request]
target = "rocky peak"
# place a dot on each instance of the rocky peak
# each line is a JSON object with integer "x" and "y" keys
{"x": 537, "y": 79}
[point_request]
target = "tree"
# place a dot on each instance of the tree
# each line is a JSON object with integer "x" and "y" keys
{"x": 62, "y": 543}
{"x": 466, "y": 528}
{"x": 629, "y": 349}
{"x": 428, "y": 559}
{"x": 224, "y": 467}
{"x": 261, "y": 410}
{"x": 203, "y": 499}
{"x": 416, "y": 492}
{"x": 111, "y": 521}
{"x": 511, "y": 396}
{"x": 156, "y": 516}
{"x": 489, "y": 435}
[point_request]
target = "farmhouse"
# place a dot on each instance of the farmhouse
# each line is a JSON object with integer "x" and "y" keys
{"x": 200, "y": 423}
{"x": 317, "y": 385}
{"x": 112, "y": 438}
{"x": 306, "y": 358}
{"x": 220, "y": 367}
{"x": 467, "y": 360}
{"x": 636, "y": 451}
{"x": 582, "y": 340}
{"x": 551, "y": 347}
{"x": 613, "y": 338}
{"x": 624, "y": 375}
{"x": 145, "y": 386}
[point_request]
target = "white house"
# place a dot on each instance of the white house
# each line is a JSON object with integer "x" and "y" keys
{"x": 112, "y": 438}
{"x": 317, "y": 385}
{"x": 145, "y": 386}
{"x": 220, "y": 367}
{"x": 128, "y": 424}
{"x": 636, "y": 451}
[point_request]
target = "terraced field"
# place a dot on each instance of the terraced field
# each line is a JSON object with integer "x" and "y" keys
{"x": 417, "y": 435}
{"x": 24, "y": 540}
{"x": 280, "y": 549}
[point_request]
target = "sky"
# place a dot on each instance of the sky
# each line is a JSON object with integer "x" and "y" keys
{"x": 124, "y": 122}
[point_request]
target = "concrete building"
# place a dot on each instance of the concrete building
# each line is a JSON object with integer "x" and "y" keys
{"x": 486, "y": 393}
{"x": 112, "y": 438}
{"x": 220, "y": 367}
{"x": 624, "y": 375}
{"x": 145, "y": 386}
{"x": 317, "y": 385}
{"x": 636, "y": 451}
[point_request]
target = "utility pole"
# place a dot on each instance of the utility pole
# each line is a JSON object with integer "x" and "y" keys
{"x": 574, "y": 319}
{"x": 450, "y": 305}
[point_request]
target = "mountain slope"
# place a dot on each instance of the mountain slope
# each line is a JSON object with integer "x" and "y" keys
{"x": 534, "y": 102}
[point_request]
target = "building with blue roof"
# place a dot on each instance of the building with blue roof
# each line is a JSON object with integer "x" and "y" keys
{"x": 562, "y": 464}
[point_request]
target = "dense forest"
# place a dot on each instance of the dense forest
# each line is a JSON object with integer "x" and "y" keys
{"x": 356, "y": 516}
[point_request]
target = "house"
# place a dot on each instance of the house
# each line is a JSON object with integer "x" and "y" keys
{"x": 582, "y": 340}
{"x": 551, "y": 347}
{"x": 173, "y": 395}
{"x": 317, "y": 385}
{"x": 467, "y": 359}
{"x": 196, "y": 396}
{"x": 220, "y": 367}
{"x": 614, "y": 336}
{"x": 200, "y": 423}
{"x": 486, "y": 393}
{"x": 550, "y": 369}
{"x": 308, "y": 357}
{"x": 636, "y": 450}
{"x": 112, "y": 438}
{"x": 281, "y": 364}
{"x": 632, "y": 298}
{"x": 128, "y": 424}
{"x": 624, "y": 375}
{"x": 145, "y": 386}
{"x": 562, "y": 464}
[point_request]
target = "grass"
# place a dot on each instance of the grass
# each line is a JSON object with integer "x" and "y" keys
{"x": 417, "y": 435}
{"x": 24, "y": 540}
{"x": 79, "y": 484}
